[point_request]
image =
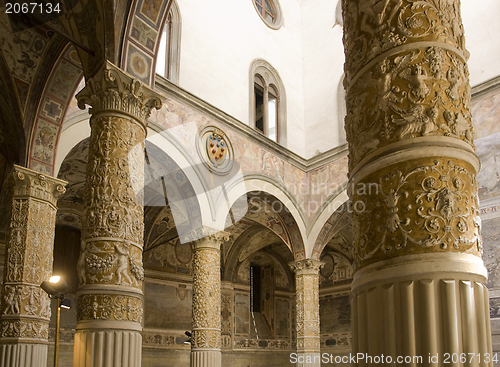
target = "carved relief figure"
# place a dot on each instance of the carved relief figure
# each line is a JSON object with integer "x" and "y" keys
{"x": 414, "y": 121}
{"x": 435, "y": 57}
{"x": 13, "y": 301}
{"x": 453, "y": 78}
{"x": 459, "y": 126}
{"x": 80, "y": 266}
{"x": 375, "y": 10}
{"x": 122, "y": 264}
{"x": 416, "y": 75}
{"x": 446, "y": 203}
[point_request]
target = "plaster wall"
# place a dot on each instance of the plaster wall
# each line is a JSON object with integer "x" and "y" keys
{"x": 323, "y": 54}
{"x": 480, "y": 19}
{"x": 216, "y": 53}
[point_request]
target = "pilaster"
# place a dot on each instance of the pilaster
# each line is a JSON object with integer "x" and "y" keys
{"x": 25, "y": 306}
{"x": 307, "y": 306}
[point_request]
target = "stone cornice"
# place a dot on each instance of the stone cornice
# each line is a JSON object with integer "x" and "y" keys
{"x": 113, "y": 89}
{"x": 177, "y": 93}
{"x": 28, "y": 183}
{"x": 489, "y": 86}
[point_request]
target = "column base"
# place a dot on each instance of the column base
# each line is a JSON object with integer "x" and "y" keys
{"x": 417, "y": 308}
{"x": 107, "y": 349}
{"x": 23, "y": 355}
{"x": 308, "y": 359}
{"x": 205, "y": 358}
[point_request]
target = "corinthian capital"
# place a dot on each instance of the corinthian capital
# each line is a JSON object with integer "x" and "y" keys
{"x": 113, "y": 89}
{"x": 307, "y": 266}
{"x": 206, "y": 237}
{"x": 28, "y": 183}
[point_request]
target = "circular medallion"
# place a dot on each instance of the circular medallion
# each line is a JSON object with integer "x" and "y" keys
{"x": 215, "y": 150}
{"x": 183, "y": 252}
{"x": 329, "y": 266}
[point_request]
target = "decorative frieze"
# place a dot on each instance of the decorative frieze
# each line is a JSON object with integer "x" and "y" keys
{"x": 372, "y": 32}
{"x": 336, "y": 341}
{"x": 109, "y": 307}
{"x": 262, "y": 344}
{"x": 420, "y": 205}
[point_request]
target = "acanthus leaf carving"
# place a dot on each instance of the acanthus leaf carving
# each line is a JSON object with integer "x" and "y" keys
{"x": 113, "y": 89}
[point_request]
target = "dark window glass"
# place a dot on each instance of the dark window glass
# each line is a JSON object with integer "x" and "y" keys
{"x": 259, "y": 105}
{"x": 255, "y": 288}
{"x": 266, "y": 10}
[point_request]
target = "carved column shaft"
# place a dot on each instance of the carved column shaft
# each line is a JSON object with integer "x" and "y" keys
{"x": 419, "y": 281}
{"x": 110, "y": 298}
{"x": 307, "y": 311}
{"x": 25, "y": 306}
{"x": 206, "y": 333}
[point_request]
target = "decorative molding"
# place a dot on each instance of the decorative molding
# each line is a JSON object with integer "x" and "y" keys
{"x": 489, "y": 86}
{"x": 175, "y": 92}
{"x": 109, "y": 307}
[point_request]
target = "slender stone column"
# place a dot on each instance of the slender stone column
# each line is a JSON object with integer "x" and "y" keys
{"x": 110, "y": 272}
{"x": 25, "y": 306}
{"x": 206, "y": 334}
{"x": 418, "y": 288}
{"x": 307, "y": 306}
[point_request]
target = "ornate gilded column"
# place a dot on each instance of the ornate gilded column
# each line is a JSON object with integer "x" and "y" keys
{"x": 206, "y": 333}
{"x": 418, "y": 288}
{"x": 307, "y": 311}
{"x": 25, "y": 306}
{"x": 110, "y": 272}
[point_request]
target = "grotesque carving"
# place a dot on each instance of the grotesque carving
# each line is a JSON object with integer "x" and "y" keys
{"x": 307, "y": 304}
{"x": 29, "y": 254}
{"x": 112, "y": 230}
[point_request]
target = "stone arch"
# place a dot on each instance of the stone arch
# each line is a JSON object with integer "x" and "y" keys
{"x": 338, "y": 228}
{"x": 139, "y": 49}
{"x": 236, "y": 195}
{"x": 51, "y": 110}
{"x": 12, "y": 134}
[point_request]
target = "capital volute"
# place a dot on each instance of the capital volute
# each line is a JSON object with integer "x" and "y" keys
{"x": 29, "y": 183}
{"x": 306, "y": 266}
{"x": 113, "y": 89}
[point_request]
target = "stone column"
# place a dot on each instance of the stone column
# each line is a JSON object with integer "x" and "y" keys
{"x": 418, "y": 288}
{"x": 307, "y": 311}
{"x": 206, "y": 333}
{"x": 25, "y": 306}
{"x": 110, "y": 272}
